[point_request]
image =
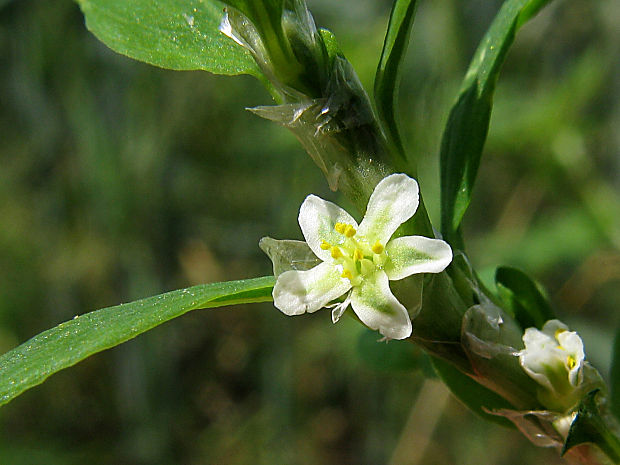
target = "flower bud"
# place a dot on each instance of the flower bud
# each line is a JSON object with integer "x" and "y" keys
{"x": 554, "y": 358}
{"x": 284, "y": 42}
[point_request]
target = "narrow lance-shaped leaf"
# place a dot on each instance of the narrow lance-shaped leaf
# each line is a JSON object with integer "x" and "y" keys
{"x": 468, "y": 123}
{"x": 523, "y": 297}
{"x": 388, "y": 71}
{"x": 174, "y": 34}
{"x": 72, "y": 341}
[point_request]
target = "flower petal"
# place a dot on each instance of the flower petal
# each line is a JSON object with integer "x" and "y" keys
{"x": 394, "y": 201}
{"x": 536, "y": 338}
{"x": 553, "y": 327}
{"x": 573, "y": 345}
{"x": 297, "y": 292}
{"x": 317, "y": 218}
{"x": 374, "y": 304}
{"x": 416, "y": 254}
{"x": 537, "y": 356}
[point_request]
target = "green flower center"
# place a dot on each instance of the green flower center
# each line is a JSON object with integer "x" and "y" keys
{"x": 357, "y": 256}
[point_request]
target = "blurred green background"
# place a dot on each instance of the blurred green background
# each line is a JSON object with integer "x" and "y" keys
{"x": 119, "y": 180}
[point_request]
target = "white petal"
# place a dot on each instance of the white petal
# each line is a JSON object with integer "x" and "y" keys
{"x": 573, "y": 345}
{"x": 377, "y": 308}
{"x": 416, "y": 254}
{"x": 394, "y": 201}
{"x": 297, "y": 292}
{"x": 551, "y": 327}
{"x": 317, "y": 218}
{"x": 535, "y": 363}
{"x": 534, "y": 339}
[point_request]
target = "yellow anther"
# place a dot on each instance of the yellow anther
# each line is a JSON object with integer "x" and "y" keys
{"x": 358, "y": 255}
{"x": 347, "y": 274}
{"x": 340, "y": 227}
{"x": 571, "y": 362}
{"x": 349, "y": 231}
{"x": 325, "y": 245}
{"x": 377, "y": 247}
{"x": 336, "y": 252}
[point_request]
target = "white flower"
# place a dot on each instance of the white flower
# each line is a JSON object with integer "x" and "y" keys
{"x": 358, "y": 260}
{"x": 554, "y": 357}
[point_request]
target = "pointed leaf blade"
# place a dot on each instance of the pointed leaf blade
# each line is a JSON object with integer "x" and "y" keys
{"x": 523, "y": 297}
{"x": 172, "y": 34}
{"x": 468, "y": 122}
{"x": 388, "y": 71}
{"x": 72, "y": 341}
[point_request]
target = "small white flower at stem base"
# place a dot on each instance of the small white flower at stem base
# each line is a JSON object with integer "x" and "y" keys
{"x": 554, "y": 357}
{"x": 359, "y": 260}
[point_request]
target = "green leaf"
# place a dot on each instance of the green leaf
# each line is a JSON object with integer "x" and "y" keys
{"x": 589, "y": 427}
{"x": 331, "y": 44}
{"x": 474, "y": 396}
{"x": 173, "y": 34}
{"x": 468, "y": 122}
{"x": 388, "y": 71}
{"x": 72, "y": 341}
{"x": 523, "y": 297}
{"x": 615, "y": 376}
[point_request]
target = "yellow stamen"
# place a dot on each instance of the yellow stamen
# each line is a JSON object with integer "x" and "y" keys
{"x": 347, "y": 274}
{"x": 340, "y": 227}
{"x": 377, "y": 247}
{"x": 571, "y": 362}
{"x": 358, "y": 255}
{"x": 336, "y": 252}
{"x": 325, "y": 245}
{"x": 349, "y": 231}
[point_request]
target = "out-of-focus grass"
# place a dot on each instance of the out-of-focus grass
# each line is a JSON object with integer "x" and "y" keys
{"x": 119, "y": 180}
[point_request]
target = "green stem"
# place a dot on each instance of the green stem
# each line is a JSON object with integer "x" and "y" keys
{"x": 604, "y": 438}
{"x": 608, "y": 442}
